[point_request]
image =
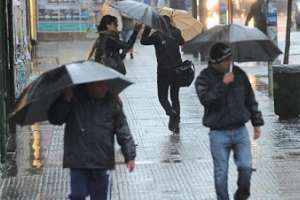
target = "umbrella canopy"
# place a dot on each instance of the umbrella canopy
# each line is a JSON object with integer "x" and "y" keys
{"x": 184, "y": 21}
{"x": 143, "y": 13}
{"x": 38, "y": 96}
{"x": 247, "y": 44}
{"x": 106, "y": 9}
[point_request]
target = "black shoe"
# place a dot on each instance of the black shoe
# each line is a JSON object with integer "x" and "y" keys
{"x": 131, "y": 55}
{"x": 176, "y": 128}
{"x": 171, "y": 123}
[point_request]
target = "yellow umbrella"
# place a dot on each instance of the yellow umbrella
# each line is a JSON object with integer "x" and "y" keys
{"x": 184, "y": 21}
{"x": 106, "y": 9}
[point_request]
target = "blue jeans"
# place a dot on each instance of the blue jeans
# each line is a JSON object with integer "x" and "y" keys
{"x": 95, "y": 183}
{"x": 221, "y": 144}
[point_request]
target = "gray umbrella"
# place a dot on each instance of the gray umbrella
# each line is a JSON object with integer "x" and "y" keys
{"x": 247, "y": 44}
{"x": 38, "y": 96}
{"x": 143, "y": 13}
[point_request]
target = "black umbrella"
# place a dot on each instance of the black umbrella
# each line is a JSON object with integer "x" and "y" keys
{"x": 143, "y": 13}
{"x": 37, "y": 97}
{"x": 247, "y": 44}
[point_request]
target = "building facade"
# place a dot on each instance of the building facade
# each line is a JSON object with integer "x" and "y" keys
{"x": 15, "y": 57}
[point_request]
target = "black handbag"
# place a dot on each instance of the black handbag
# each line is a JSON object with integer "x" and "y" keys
{"x": 185, "y": 74}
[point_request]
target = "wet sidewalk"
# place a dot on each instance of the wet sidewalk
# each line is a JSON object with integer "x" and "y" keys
{"x": 169, "y": 167}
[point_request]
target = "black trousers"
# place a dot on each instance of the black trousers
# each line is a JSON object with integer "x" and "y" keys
{"x": 166, "y": 83}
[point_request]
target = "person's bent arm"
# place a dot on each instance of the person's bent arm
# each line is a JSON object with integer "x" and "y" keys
{"x": 148, "y": 39}
{"x": 119, "y": 44}
{"x": 178, "y": 37}
{"x": 208, "y": 94}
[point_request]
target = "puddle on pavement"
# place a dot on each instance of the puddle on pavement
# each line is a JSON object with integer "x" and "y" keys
{"x": 286, "y": 139}
{"x": 287, "y": 133}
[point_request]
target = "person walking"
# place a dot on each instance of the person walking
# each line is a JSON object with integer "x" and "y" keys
{"x": 92, "y": 116}
{"x": 108, "y": 45}
{"x": 229, "y": 102}
{"x": 258, "y": 13}
{"x": 168, "y": 57}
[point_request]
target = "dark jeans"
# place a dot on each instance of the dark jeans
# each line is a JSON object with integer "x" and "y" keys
{"x": 95, "y": 183}
{"x": 166, "y": 82}
{"x": 221, "y": 144}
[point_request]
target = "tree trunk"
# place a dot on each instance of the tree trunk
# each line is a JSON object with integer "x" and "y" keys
{"x": 288, "y": 33}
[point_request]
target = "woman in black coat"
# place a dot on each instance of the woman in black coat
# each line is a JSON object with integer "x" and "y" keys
{"x": 108, "y": 45}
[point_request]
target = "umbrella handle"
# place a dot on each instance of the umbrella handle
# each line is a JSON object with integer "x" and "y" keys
{"x": 231, "y": 66}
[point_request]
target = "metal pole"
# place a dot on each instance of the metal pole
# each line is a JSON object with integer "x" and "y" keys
{"x": 194, "y": 8}
{"x": 203, "y": 12}
{"x": 3, "y": 67}
{"x": 271, "y": 19}
{"x": 195, "y": 13}
{"x": 230, "y": 11}
{"x": 203, "y": 17}
{"x": 11, "y": 77}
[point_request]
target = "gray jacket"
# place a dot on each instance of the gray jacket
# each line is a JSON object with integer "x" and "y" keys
{"x": 227, "y": 106}
{"x": 90, "y": 129}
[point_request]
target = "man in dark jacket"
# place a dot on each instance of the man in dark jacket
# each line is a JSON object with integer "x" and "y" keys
{"x": 258, "y": 13}
{"x": 229, "y": 102}
{"x": 168, "y": 57}
{"x": 92, "y": 118}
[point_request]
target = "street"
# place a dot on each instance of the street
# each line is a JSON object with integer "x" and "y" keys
{"x": 169, "y": 167}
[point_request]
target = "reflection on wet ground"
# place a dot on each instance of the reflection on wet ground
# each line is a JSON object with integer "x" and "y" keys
{"x": 287, "y": 134}
{"x": 171, "y": 151}
{"x": 36, "y": 147}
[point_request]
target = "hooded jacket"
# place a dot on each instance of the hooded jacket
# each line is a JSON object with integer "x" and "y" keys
{"x": 90, "y": 127}
{"x": 227, "y": 106}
